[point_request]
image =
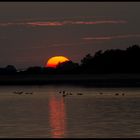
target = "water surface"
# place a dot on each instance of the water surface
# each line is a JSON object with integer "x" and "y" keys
{"x": 46, "y": 114}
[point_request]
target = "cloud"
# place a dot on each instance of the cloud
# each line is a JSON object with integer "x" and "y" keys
{"x": 44, "y": 23}
{"x": 61, "y": 23}
{"x": 111, "y": 37}
{"x": 100, "y": 22}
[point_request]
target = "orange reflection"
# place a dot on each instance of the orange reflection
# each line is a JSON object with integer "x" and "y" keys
{"x": 57, "y": 117}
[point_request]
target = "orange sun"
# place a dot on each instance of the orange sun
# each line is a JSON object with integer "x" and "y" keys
{"x": 54, "y": 61}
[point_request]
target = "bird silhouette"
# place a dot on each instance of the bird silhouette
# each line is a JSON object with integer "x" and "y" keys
{"x": 79, "y": 94}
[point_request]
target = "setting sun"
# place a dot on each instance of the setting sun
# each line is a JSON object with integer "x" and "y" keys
{"x": 54, "y": 61}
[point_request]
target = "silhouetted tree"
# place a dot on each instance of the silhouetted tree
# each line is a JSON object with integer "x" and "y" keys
{"x": 86, "y": 59}
{"x": 68, "y": 67}
{"x": 10, "y": 69}
{"x": 113, "y": 61}
{"x": 109, "y": 61}
{"x": 34, "y": 70}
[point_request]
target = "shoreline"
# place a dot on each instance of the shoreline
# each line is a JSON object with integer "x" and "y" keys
{"x": 95, "y": 80}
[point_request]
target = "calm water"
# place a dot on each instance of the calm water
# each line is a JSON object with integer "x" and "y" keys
{"x": 45, "y": 113}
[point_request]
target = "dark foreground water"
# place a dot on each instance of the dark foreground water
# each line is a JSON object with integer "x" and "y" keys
{"x": 46, "y": 114}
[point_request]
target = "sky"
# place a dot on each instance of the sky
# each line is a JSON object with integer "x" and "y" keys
{"x": 33, "y": 32}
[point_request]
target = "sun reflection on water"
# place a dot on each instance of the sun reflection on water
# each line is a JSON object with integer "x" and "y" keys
{"x": 57, "y": 117}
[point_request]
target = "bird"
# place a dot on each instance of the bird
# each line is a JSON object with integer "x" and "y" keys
{"x": 117, "y": 94}
{"x": 20, "y": 92}
{"x": 28, "y": 93}
{"x": 17, "y": 92}
{"x": 64, "y": 95}
{"x": 79, "y": 94}
{"x": 122, "y": 94}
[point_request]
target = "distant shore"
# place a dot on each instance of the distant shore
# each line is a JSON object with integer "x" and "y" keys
{"x": 97, "y": 80}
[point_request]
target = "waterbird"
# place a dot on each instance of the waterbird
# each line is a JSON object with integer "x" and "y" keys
{"x": 20, "y": 92}
{"x": 17, "y": 92}
{"x": 28, "y": 93}
{"x": 79, "y": 94}
{"x": 64, "y": 95}
{"x": 117, "y": 94}
{"x": 122, "y": 94}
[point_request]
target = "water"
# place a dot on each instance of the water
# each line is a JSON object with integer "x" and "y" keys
{"x": 46, "y": 114}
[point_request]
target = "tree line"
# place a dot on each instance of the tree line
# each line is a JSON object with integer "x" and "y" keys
{"x": 108, "y": 61}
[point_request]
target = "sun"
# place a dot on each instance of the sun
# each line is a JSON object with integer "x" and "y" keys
{"x": 54, "y": 61}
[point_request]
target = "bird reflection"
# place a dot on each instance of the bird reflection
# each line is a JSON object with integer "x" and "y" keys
{"x": 57, "y": 117}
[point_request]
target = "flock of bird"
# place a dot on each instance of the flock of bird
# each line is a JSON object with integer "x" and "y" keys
{"x": 116, "y": 94}
{"x": 21, "y": 92}
{"x": 64, "y": 93}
